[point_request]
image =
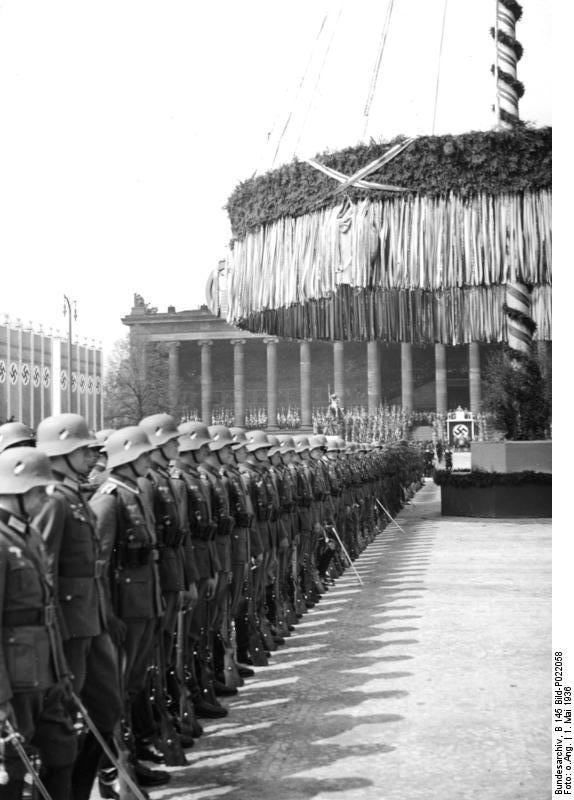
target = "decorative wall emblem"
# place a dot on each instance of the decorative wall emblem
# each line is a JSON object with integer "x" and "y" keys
{"x": 74, "y": 381}
{"x": 82, "y": 383}
{"x": 13, "y": 373}
{"x": 46, "y": 377}
{"x": 90, "y": 385}
{"x": 36, "y": 377}
{"x": 63, "y": 380}
{"x": 25, "y": 374}
{"x": 2, "y": 371}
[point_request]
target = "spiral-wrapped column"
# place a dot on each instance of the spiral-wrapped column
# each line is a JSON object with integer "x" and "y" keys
{"x": 520, "y": 325}
{"x": 508, "y": 52}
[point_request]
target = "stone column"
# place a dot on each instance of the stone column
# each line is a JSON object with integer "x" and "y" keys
{"x": 339, "y": 371}
{"x": 305, "y": 364}
{"x": 474, "y": 376}
{"x": 407, "y": 383}
{"x": 440, "y": 378}
{"x": 239, "y": 380}
{"x": 271, "y": 383}
{"x": 206, "y": 381}
{"x": 373, "y": 377}
{"x": 173, "y": 378}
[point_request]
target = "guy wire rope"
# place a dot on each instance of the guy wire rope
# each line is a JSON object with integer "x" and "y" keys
{"x": 377, "y": 67}
{"x": 319, "y": 76}
{"x": 439, "y": 65}
{"x": 299, "y": 88}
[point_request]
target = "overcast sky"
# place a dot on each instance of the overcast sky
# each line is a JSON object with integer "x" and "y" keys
{"x": 126, "y": 124}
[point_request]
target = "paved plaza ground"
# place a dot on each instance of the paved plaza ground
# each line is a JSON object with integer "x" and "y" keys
{"x": 431, "y": 680}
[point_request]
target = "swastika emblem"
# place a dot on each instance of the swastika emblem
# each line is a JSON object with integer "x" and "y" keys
{"x": 90, "y": 385}
{"x": 36, "y": 376}
{"x": 461, "y": 430}
{"x": 74, "y": 381}
{"x": 2, "y": 371}
{"x": 46, "y": 377}
{"x": 25, "y": 374}
{"x": 63, "y": 380}
{"x": 82, "y": 383}
{"x": 13, "y": 373}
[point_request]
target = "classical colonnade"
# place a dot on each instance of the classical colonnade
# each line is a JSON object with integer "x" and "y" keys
{"x": 373, "y": 377}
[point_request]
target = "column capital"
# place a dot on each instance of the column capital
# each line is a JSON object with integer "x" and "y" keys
{"x": 238, "y": 341}
{"x": 174, "y": 345}
{"x": 205, "y": 342}
{"x": 271, "y": 340}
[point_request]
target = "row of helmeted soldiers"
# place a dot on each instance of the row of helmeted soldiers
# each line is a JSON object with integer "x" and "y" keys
{"x": 143, "y": 572}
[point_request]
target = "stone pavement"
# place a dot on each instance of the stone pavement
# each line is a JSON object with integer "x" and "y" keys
{"x": 431, "y": 680}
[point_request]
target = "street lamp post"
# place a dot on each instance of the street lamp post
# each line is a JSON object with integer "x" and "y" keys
{"x": 68, "y": 310}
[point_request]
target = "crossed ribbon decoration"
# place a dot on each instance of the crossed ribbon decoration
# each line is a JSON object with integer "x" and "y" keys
{"x": 358, "y": 178}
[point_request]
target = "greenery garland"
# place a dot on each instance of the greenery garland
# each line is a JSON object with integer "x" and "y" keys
{"x": 495, "y": 162}
{"x": 519, "y": 316}
{"x": 517, "y": 85}
{"x": 513, "y": 44}
{"x": 514, "y": 8}
{"x": 481, "y": 479}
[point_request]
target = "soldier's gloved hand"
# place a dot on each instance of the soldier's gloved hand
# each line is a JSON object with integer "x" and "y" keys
{"x": 211, "y": 587}
{"x": 117, "y": 629}
{"x": 188, "y": 598}
{"x": 6, "y": 713}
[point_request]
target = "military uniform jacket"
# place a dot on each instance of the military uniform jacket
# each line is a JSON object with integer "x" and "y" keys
{"x": 31, "y": 655}
{"x": 201, "y": 527}
{"x": 220, "y": 512}
{"x": 69, "y": 530}
{"x": 242, "y": 510}
{"x": 257, "y": 480}
{"x": 169, "y": 529}
{"x": 129, "y": 548}
{"x": 304, "y": 495}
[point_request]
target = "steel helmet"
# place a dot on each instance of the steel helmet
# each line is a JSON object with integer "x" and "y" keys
{"x": 301, "y": 443}
{"x": 275, "y": 444}
{"x": 15, "y": 433}
{"x": 23, "y": 468}
{"x": 239, "y": 438}
{"x": 160, "y": 428}
{"x": 318, "y": 441}
{"x": 126, "y": 445}
{"x": 192, "y": 436}
{"x": 287, "y": 444}
{"x": 103, "y": 436}
{"x": 333, "y": 444}
{"x": 257, "y": 440}
{"x": 220, "y": 436}
{"x": 62, "y": 434}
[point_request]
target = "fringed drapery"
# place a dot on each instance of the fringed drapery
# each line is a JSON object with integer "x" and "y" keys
{"x": 449, "y": 316}
{"x": 421, "y": 269}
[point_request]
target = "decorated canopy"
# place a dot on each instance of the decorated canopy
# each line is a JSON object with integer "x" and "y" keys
{"x": 420, "y": 252}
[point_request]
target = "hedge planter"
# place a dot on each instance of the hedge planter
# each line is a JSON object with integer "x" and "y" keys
{"x": 535, "y": 456}
{"x": 495, "y": 495}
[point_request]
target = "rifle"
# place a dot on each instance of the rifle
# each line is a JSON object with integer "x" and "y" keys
{"x": 188, "y": 721}
{"x": 169, "y": 742}
{"x": 344, "y": 549}
{"x": 231, "y": 675}
{"x": 129, "y": 789}
{"x": 256, "y": 648}
{"x": 15, "y": 739}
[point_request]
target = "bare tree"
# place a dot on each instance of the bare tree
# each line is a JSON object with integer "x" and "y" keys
{"x": 136, "y": 382}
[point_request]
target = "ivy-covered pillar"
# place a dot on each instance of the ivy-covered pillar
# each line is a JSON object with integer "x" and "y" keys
{"x": 440, "y": 378}
{"x": 474, "y": 377}
{"x": 407, "y": 383}
{"x": 206, "y": 381}
{"x": 373, "y": 377}
{"x": 271, "y": 383}
{"x": 239, "y": 381}
{"x": 305, "y": 366}
{"x": 339, "y": 371}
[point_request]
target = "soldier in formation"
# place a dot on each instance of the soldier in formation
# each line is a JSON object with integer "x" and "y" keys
{"x": 151, "y": 568}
